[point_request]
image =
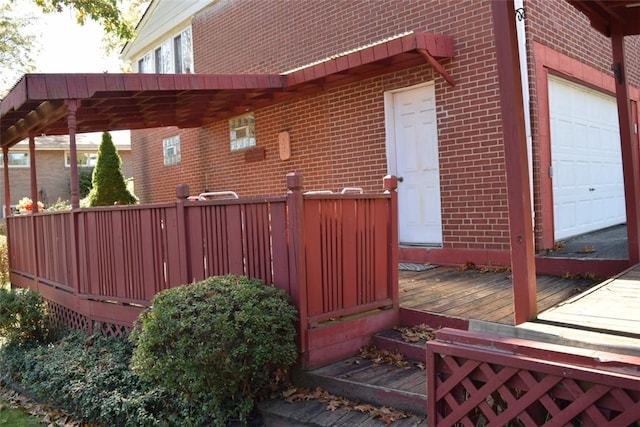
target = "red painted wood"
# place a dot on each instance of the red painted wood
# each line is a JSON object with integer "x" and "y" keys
{"x": 338, "y": 313}
{"x": 193, "y": 231}
{"x": 184, "y": 252}
{"x": 516, "y": 163}
{"x": 54, "y": 241}
{"x": 630, "y": 167}
{"x": 297, "y": 258}
{"x": 390, "y": 184}
{"x": 349, "y": 256}
{"x": 281, "y": 262}
{"x": 76, "y": 86}
{"x": 531, "y": 384}
{"x": 379, "y": 253}
{"x": 329, "y": 252}
{"x": 7, "y": 187}
{"x": 313, "y": 257}
{"x": 338, "y": 340}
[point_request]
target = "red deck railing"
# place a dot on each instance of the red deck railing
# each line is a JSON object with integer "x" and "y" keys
{"x": 335, "y": 254}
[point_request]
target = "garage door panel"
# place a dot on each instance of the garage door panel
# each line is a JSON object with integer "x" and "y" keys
{"x": 588, "y": 188}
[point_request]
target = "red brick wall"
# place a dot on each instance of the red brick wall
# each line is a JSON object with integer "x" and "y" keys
{"x": 558, "y": 26}
{"x": 338, "y": 138}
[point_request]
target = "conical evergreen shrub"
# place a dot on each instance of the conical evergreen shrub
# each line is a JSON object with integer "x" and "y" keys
{"x": 109, "y": 186}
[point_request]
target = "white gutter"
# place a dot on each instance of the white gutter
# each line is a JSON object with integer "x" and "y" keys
{"x": 524, "y": 76}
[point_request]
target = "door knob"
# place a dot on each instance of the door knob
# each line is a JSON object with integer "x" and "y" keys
{"x": 400, "y": 179}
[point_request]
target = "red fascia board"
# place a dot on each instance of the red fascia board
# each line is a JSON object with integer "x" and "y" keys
{"x": 440, "y": 46}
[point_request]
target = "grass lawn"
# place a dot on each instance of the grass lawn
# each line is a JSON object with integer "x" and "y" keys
{"x": 11, "y": 416}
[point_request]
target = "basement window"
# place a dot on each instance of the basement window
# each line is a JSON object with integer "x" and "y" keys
{"x": 171, "y": 150}
{"x": 242, "y": 132}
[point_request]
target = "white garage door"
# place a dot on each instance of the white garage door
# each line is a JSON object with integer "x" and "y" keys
{"x": 588, "y": 188}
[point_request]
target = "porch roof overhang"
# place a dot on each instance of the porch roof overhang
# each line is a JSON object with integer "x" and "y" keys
{"x": 38, "y": 102}
{"x": 603, "y": 15}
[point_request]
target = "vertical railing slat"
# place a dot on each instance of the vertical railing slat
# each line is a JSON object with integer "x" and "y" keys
{"x": 350, "y": 258}
{"x": 313, "y": 257}
{"x": 280, "y": 255}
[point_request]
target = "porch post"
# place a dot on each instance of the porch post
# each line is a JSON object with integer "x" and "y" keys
{"x": 7, "y": 191}
{"x": 297, "y": 264}
{"x": 516, "y": 162}
{"x": 34, "y": 175}
{"x": 72, "y": 106}
{"x": 629, "y": 153}
{"x": 184, "y": 242}
{"x": 390, "y": 185}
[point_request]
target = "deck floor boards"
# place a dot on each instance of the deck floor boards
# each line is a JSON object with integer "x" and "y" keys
{"x": 612, "y": 306}
{"x": 480, "y": 295}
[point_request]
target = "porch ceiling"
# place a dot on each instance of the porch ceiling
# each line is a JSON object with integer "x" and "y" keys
{"x": 37, "y": 103}
{"x": 603, "y": 13}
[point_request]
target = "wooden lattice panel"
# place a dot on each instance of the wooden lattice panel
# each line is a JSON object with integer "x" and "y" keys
{"x": 112, "y": 330}
{"x": 474, "y": 386}
{"x": 63, "y": 317}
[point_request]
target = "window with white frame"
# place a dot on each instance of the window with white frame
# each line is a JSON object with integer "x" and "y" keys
{"x": 17, "y": 159}
{"x": 162, "y": 56}
{"x": 174, "y": 55}
{"x": 144, "y": 64}
{"x": 171, "y": 150}
{"x": 83, "y": 159}
{"x": 183, "y": 53}
{"x": 242, "y": 131}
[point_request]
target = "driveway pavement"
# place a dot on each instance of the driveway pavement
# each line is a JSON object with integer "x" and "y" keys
{"x": 608, "y": 243}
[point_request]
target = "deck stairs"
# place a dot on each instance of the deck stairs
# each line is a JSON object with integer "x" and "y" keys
{"x": 377, "y": 384}
{"x": 387, "y": 383}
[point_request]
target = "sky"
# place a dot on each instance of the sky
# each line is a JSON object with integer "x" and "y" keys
{"x": 67, "y": 47}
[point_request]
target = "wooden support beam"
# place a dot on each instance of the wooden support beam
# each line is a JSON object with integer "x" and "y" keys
{"x": 7, "y": 188}
{"x": 629, "y": 152}
{"x": 435, "y": 64}
{"x": 516, "y": 162}
{"x": 46, "y": 113}
{"x": 72, "y": 106}
{"x": 33, "y": 172}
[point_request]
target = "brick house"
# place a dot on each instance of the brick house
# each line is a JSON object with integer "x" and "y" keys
{"x": 437, "y": 124}
{"x": 52, "y": 158}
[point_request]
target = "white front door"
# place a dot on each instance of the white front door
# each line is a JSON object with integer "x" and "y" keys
{"x": 588, "y": 185}
{"x": 412, "y": 153}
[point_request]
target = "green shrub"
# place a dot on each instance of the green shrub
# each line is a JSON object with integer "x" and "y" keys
{"x": 217, "y": 343}
{"x": 85, "y": 181}
{"x": 23, "y": 316}
{"x": 4, "y": 262}
{"x": 91, "y": 378}
{"x": 59, "y": 205}
{"x": 108, "y": 183}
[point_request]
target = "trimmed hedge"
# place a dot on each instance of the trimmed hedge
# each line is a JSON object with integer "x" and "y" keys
{"x": 23, "y": 316}
{"x": 218, "y": 343}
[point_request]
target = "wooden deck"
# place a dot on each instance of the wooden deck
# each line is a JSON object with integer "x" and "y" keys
{"x": 610, "y": 307}
{"x": 478, "y": 295}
